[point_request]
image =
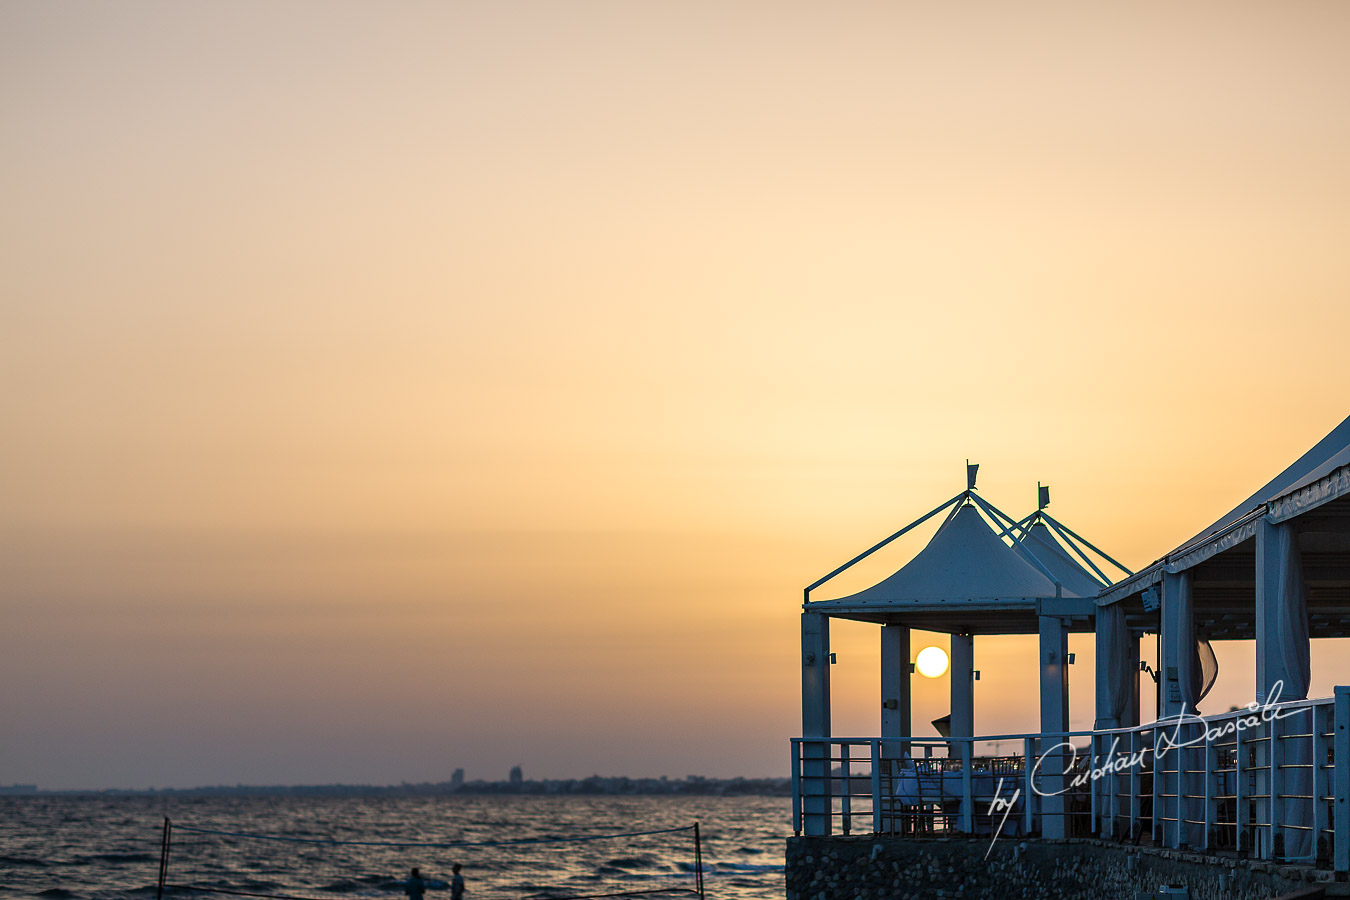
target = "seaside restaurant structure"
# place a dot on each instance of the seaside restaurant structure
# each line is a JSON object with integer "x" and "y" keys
{"x": 1269, "y": 781}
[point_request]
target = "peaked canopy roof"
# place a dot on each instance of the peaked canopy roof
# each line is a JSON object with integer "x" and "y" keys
{"x": 1069, "y": 572}
{"x": 965, "y": 560}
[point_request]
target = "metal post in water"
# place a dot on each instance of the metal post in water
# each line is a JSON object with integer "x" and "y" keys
{"x": 163, "y": 858}
{"x": 698, "y": 859}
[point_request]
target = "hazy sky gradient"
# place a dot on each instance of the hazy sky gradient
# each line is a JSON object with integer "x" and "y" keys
{"x": 394, "y": 387}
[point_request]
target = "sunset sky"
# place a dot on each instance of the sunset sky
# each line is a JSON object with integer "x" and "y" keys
{"x": 395, "y": 387}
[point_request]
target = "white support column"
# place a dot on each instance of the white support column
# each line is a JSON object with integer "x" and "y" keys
{"x": 1054, "y": 649}
{"x": 816, "y": 801}
{"x": 1340, "y": 780}
{"x": 895, "y": 689}
{"x": 1172, "y": 634}
{"x": 963, "y": 685}
{"x": 1102, "y": 713}
{"x": 1178, "y": 635}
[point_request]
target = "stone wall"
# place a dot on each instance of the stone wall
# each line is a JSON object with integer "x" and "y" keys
{"x": 885, "y": 868}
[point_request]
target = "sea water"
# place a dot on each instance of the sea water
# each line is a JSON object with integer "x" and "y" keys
{"x": 510, "y": 847}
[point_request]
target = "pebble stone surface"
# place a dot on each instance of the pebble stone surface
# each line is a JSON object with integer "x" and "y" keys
{"x": 873, "y": 868}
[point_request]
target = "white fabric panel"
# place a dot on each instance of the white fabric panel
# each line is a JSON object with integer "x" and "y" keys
{"x": 1209, "y": 667}
{"x": 1115, "y": 686}
{"x": 1190, "y": 673}
{"x": 964, "y": 560}
{"x": 1135, "y": 584}
{"x": 1230, "y": 539}
{"x": 1324, "y": 490}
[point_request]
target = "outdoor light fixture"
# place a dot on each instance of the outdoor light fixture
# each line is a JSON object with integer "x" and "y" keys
{"x": 931, "y": 662}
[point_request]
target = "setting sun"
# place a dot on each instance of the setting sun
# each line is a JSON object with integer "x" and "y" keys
{"x": 931, "y": 662}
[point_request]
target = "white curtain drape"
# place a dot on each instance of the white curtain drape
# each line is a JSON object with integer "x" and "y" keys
{"x": 1293, "y": 616}
{"x": 1190, "y": 673}
{"x": 1116, "y": 687}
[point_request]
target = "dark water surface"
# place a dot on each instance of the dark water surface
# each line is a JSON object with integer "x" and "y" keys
{"x": 100, "y": 847}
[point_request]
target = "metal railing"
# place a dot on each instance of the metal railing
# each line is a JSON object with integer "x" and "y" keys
{"x": 942, "y": 785}
{"x": 1270, "y": 783}
{"x": 1257, "y": 782}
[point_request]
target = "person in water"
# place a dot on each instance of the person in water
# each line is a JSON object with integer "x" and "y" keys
{"x": 456, "y": 884}
{"x": 415, "y": 887}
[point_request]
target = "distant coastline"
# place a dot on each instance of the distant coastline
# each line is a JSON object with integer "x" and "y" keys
{"x": 692, "y": 785}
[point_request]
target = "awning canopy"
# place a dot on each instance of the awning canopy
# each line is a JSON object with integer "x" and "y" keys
{"x": 1330, "y": 453}
{"x": 1316, "y": 478}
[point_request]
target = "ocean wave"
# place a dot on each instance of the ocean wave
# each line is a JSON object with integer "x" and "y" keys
{"x": 121, "y": 857}
{"x": 632, "y": 862}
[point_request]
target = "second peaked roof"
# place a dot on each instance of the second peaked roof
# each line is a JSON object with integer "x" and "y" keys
{"x": 965, "y": 561}
{"x": 1069, "y": 572}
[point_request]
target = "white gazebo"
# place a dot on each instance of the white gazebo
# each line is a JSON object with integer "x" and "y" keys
{"x": 982, "y": 573}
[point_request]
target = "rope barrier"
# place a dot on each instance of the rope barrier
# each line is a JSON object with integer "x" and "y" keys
{"x": 617, "y": 894}
{"x": 210, "y": 890}
{"x": 334, "y": 841}
{"x": 233, "y": 893}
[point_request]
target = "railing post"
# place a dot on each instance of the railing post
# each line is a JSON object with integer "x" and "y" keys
{"x": 1157, "y": 788}
{"x": 876, "y": 787}
{"x": 1136, "y": 779}
{"x": 1178, "y": 755}
{"x": 1276, "y": 780}
{"x": 1185, "y": 785}
{"x": 1321, "y": 724}
{"x": 846, "y": 789}
{"x": 1028, "y": 795}
{"x": 1093, "y": 787}
{"x": 1241, "y": 808}
{"x": 1341, "y": 753}
{"x": 1211, "y": 788}
{"x": 796, "y": 787}
{"x": 1113, "y": 788}
{"x": 967, "y": 792}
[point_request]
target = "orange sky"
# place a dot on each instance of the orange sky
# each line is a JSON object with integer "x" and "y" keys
{"x": 395, "y": 387}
